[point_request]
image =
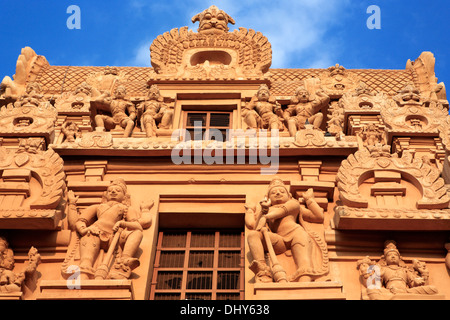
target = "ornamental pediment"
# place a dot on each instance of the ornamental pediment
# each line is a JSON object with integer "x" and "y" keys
{"x": 409, "y": 111}
{"x": 212, "y": 52}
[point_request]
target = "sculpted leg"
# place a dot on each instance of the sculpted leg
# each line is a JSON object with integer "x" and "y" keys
{"x": 128, "y": 128}
{"x": 292, "y": 126}
{"x": 316, "y": 120}
{"x": 127, "y": 262}
{"x": 301, "y": 252}
{"x": 251, "y": 119}
{"x": 99, "y": 123}
{"x": 149, "y": 125}
{"x": 166, "y": 120}
{"x": 89, "y": 249}
{"x": 259, "y": 266}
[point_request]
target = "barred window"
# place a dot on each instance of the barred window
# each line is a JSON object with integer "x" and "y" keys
{"x": 199, "y": 265}
{"x": 203, "y": 125}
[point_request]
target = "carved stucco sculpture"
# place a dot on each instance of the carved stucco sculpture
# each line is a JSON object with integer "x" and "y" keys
{"x": 154, "y": 113}
{"x": 410, "y": 111}
{"x": 280, "y": 223}
{"x": 360, "y": 101}
{"x": 112, "y": 228}
{"x": 27, "y": 68}
{"x": 78, "y": 100}
{"x": 263, "y": 111}
{"x": 33, "y": 186}
{"x": 336, "y": 80}
{"x": 305, "y": 108}
{"x": 10, "y": 281}
{"x": 119, "y": 111}
{"x": 424, "y": 175}
{"x": 30, "y": 115}
{"x": 390, "y": 278}
{"x": 213, "y": 20}
{"x": 213, "y": 52}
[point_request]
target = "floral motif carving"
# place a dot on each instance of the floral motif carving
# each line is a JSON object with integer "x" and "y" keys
{"x": 310, "y": 137}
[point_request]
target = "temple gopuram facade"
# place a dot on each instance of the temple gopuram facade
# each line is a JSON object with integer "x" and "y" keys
{"x": 212, "y": 176}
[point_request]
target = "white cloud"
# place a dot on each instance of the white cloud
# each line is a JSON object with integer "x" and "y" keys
{"x": 141, "y": 56}
{"x": 296, "y": 29}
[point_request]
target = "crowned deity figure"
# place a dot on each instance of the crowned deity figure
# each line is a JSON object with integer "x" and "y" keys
{"x": 391, "y": 278}
{"x": 263, "y": 111}
{"x": 281, "y": 223}
{"x": 109, "y": 226}
{"x": 304, "y": 108}
{"x": 154, "y": 111}
{"x": 123, "y": 112}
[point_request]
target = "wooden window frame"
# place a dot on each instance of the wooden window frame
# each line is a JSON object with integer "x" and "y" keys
{"x": 215, "y": 269}
{"x": 207, "y": 126}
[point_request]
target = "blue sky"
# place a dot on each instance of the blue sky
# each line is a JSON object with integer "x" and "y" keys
{"x": 303, "y": 33}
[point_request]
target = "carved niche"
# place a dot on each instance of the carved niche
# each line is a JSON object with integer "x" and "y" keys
{"x": 378, "y": 189}
{"x": 31, "y": 188}
{"x": 212, "y": 52}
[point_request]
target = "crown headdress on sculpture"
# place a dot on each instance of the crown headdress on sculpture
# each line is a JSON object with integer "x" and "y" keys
{"x": 390, "y": 246}
{"x": 121, "y": 183}
{"x": 277, "y": 182}
{"x": 263, "y": 87}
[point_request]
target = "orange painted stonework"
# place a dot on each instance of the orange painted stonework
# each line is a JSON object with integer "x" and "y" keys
{"x": 212, "y": 176}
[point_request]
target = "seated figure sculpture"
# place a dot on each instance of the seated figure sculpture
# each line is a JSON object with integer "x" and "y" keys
{"x": 11, "y": 282}
{"x": 103, "y": 226}
{"x": 154, "y": 110}
{"x": 263, "y": 111}
{"x": 282, "y": 223}
{"x": 303, "y": 108}
{"x": 393, "y": 277}
{"x": 123, "y": 112}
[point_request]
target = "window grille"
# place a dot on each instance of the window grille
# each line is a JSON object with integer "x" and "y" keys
{"x": 204, "y": 265}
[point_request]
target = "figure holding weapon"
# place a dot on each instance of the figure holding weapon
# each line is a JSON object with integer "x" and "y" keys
{"x": 107, "y": 227}
{"x": 277, "y": 225}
